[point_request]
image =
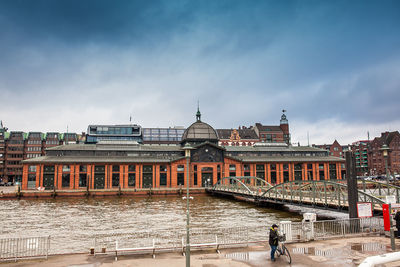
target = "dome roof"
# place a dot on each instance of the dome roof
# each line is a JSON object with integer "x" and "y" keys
{"x": 200, "y": 131}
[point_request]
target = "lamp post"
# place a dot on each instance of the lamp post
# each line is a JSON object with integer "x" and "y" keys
{"x": 385, "y": 150}
{"x": 187, "y": 149}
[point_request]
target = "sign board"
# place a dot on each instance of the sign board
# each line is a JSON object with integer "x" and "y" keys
{"x": 390, "y": 199}
{"x": 364, "y": 209}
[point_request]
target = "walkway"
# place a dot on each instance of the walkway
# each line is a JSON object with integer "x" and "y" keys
{"x": 336, "y": 252}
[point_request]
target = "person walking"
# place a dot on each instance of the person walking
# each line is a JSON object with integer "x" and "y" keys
{"x": 273, "y": 240}
{"x": 397, "y": 219}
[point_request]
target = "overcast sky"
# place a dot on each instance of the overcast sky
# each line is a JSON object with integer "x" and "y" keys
{"x": 333, "y": 65}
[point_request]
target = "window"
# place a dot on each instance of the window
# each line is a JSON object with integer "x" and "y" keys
{"x": 115, "y": 176}
{"x": 332, "y": 171}
{"x": 163, "y": 175}
{"x": 260, "y": 173}
{"x": 298, "y": 173}
{"x": 181, "y": 178}
{"x": 65, "y": 181}
{"x": 273, "y": 173}
{"x": 32, "y": 169}
{"x": 163, "y": 179}
{"x": 181, "y": 168}
{"x": 285, "y": 173}
{"x": 82, "y": 176}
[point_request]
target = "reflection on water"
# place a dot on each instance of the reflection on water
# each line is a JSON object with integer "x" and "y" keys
{"x": 72, "y": 223}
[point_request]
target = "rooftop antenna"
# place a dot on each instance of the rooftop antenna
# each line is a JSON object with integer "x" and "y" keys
{"x": 130, "y": 118}
{"x": 66, "y": 137}
{"x": 308, "y": 138}
{"x": 368, "y": 135}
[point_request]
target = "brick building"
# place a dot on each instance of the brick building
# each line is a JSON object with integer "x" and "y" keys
{"x": 16, "y": 146}
{"x": 133, "y": 166}
{"x": 237, "y": 137}
{"x": 376, "y": 161}
{"x": 335, "y": 149}
{"x": 33, "y": 145}
{"x": 272, "y": 133}
{"x": 14, "y": 155}
{"x": 360, "y": 151}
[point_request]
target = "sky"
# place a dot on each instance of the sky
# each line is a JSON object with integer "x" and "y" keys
{"x": 333, "y": 65}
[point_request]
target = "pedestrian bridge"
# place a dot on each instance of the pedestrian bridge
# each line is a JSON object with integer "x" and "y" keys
{"x": 322, "y": 194}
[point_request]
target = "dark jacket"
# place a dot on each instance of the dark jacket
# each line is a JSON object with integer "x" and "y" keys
{"x": 397, "y": 219}
{"x": 273, "y": 237}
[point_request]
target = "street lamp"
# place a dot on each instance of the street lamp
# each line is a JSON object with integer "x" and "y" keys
{"x": 385, "y": 150}
{"x": 187, "y": 149}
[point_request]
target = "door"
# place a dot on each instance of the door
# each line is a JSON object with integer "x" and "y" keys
{"x": 147, "y": 176}
{"x": 48, "y": 177}
{"x": 99, "y": 177}
{"x": 206, "y": 176}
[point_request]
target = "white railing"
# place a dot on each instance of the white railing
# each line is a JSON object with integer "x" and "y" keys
{"x": 24, "y": 247}
{"x": 19, "y": 248}
{"x": 303, "y": 231}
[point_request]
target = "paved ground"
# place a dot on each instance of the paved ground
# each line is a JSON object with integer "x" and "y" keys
{"x": 339, "y": 252}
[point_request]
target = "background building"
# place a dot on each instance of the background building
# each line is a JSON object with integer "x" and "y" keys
{"x": 106, "y": 133}
{"x": 376, "y": 161}
{"x": 360, "y": 150}
{"x": 237, "y": 137}
{"x": 3, "y": 131}
{"x": 272, "y": 133}
{"x": 335, "y": 149}
{"x": 171, "y": 135}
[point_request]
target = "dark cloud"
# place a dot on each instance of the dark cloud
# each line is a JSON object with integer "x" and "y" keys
{"x": 98, "y": 61}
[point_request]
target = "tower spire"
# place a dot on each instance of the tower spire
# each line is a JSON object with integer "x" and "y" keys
{"x": 198, "y": 114}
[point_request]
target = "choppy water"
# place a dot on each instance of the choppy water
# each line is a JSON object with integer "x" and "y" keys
{"x": 72, "y": 223}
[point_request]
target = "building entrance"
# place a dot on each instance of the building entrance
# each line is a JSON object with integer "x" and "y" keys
{"x": 206, "y": 176}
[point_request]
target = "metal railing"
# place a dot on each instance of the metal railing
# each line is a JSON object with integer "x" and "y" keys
{"x": 303, "y": 231}
{"x": 20, "y": 248}
{"x": 24, "y": 247}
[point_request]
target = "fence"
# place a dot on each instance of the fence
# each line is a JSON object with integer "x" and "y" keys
{"x": 19, "y": 248}
{"x": 24, "y": 247}
{"x": 303, "y": 231}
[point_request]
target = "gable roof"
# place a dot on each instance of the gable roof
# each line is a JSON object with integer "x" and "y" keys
{"x": 268, "y": 128}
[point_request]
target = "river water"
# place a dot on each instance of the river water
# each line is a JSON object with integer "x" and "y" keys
{"x": 73, "y": 223}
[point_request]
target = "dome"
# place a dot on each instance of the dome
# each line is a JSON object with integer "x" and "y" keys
{"x": 199, "y": 132}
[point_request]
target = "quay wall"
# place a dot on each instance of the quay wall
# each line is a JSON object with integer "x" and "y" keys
{"x": 26, "y": 194}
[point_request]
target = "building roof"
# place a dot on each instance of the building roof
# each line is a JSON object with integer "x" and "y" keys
{"x": 115, "y": 147}
{"x": 273, "y": 148}
{"x": 96, "y": 159}
{"x": 268, "y": 128}
{"x": 290, "y": 159}
{"x": 243, "y": 133}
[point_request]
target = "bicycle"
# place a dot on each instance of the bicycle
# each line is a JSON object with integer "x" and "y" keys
{"x": 282, "y": 249}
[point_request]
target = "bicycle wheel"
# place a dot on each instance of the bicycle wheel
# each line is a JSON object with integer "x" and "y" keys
{"x": 278, "y": 252}
{"x": 287, "y": 254}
